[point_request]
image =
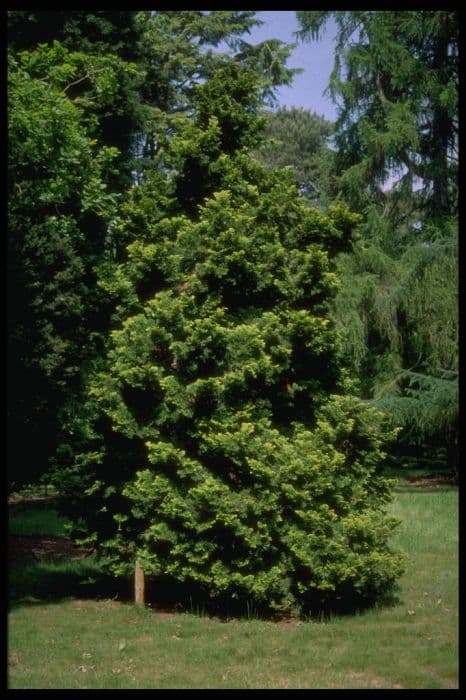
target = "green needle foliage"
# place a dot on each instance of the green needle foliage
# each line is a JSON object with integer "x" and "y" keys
{"x": 220, "y": 445}
{"x": 297, "y": 138}
{"x": 399, "y": 322}
{"x": 395, "y": 83}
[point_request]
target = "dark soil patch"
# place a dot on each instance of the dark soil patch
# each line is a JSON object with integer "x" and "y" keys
{"x": 39, "y": 548}
{"x": 432, "y": 480}
{"x": 18, "y": 498}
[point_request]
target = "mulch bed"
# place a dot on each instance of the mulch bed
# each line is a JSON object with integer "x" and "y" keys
{"x": 29, "y": 548}
{"x": 39, "y": 548}
{"x": 17, "y": 498}
{"x": 432, "y": 480}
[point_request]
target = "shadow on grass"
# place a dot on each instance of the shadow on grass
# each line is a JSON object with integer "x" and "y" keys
{"x": 43, "y": 582}
{"x": 60, "y": 572}
{"x": 34, "y": 583}
{"x": 165, "y": 594}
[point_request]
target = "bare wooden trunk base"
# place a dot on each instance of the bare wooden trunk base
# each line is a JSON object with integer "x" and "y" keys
{"x": 138, "y": 584}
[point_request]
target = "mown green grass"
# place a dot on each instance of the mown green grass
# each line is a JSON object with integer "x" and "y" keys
{"x": 87, "y": 643}
{"x": 35, "y": 518}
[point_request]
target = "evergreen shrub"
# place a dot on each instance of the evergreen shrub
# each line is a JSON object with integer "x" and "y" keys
{"x": 222, "y": 447}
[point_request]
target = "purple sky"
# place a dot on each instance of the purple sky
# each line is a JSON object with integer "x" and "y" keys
{"x": 315, "y": 57}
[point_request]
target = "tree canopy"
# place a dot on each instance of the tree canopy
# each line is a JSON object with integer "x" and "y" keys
{"x": 298, "y": 139}
{"x": 58, "y": 192}
{"x": 87, "y": 93}
{"x": 218, "y": 321}
{"x": 220, "y": 445}
{"x": 395, "y": 83}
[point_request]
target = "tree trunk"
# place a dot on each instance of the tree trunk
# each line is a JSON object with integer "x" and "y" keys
{"x": 139, "y": 584}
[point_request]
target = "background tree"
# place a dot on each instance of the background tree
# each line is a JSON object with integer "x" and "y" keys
{"x": 171, "y": 75}
{"x": 85, "y": 88}
{"x": 399, "y": 318}
{"x": 112, "y": 36}
{"x": 135, "y": 119}
{"x": 57, "y": 214}
{"x": 298, "y": 138}
{"x": 395, "y": 82}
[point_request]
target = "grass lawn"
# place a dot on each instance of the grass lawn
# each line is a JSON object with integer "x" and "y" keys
{"x": 35, "y": 518}
{"x": 83, "y": 642}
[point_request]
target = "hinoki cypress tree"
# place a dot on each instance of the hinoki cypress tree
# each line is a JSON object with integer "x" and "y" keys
{"x": 221, "y": 449}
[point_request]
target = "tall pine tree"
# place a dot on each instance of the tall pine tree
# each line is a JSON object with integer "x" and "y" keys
{"x": 395, "y": 83}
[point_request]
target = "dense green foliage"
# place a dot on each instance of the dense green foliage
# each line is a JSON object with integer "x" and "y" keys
{"x": 58, "y": 208}
{"x": 87, "y": 93}
{"x": 220, "y": 447}
{"x": 396, "y": 88}
{"x": 297, "y": 138}
{"x": 399, "y": 316}
{"x": 108, "y": 42}
{"x": 171, "y": 313}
